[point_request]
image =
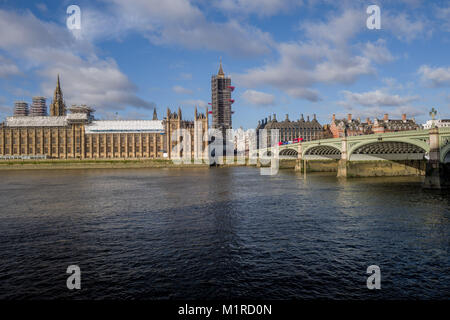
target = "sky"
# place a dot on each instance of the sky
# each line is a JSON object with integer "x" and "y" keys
{"x": 284, "y": 57}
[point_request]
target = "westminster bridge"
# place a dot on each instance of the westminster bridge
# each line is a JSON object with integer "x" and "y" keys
{"x": 418, "y": 152}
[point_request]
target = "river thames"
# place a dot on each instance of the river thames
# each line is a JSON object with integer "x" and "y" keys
{"x": 220, "y": 233}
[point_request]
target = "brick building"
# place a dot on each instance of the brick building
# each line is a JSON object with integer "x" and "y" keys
{"x": 355, "y": 127}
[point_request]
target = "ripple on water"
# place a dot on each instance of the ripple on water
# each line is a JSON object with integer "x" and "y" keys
{"x": 220, "y": 233}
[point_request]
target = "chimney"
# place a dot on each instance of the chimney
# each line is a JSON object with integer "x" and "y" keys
{"x": 314, "y": 116}
{"x": 302, "y": 117}
{"x": 307, "y": 118}
{"x": 386, "y": 117}
{"x": 270, "y": 118}
{"x": 287, "y": 117}
{"x": 274, "y": 117}
{"x": 404, "y": 117}
{"x": 349, "y": 117}
{"x": 333, "y": 118}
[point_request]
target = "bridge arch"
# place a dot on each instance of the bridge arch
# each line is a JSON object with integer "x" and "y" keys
{"x": 445, "y": 153}
{"x": 289, "y": 152}
{"x": 388, "y": 150}
{"x": 322, "y": 152}
{"x": 419, "y": 143}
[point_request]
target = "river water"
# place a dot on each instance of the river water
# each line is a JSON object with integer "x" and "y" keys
{"x": 220, "y": 233}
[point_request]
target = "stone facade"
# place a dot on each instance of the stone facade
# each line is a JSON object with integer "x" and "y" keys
{"x": 290, "y": 130}
{"x": 356, "y": 127}
{"x": 440, "y": 123}
{"x": 78, "y": 136}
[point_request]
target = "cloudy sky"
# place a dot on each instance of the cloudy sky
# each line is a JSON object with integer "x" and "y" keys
{"x": 284, "y": 56}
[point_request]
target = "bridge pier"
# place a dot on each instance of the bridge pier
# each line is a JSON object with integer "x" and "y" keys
{"x": 299, "y": 161}
{"x": 437, "y": 174}
{"x": 342, "y": 171}
{"x": 258, "y": 163}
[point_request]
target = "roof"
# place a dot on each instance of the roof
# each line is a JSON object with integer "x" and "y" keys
{"x": 118, "y": 126}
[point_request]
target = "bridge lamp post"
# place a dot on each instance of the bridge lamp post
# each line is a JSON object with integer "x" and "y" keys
{"x": 432, "y": 114}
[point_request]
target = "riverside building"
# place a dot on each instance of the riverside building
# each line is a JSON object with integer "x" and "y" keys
{"x": 77, "y": 135}
{"x": 290, "y": 130}
{"x": 356, "y": 127}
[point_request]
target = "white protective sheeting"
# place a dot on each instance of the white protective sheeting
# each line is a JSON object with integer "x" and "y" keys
{"x": 41, "y": 121}
{"x": 117, "y": 126}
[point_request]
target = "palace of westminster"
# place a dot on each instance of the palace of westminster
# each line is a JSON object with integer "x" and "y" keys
{"x": 34, "y": 134}
{"x": 31, "y": 133}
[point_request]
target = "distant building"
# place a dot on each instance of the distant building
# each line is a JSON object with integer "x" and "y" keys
{"x": 356, "y": 127}
{"x": 38, "y": 107}
{"x": 290, "y": 130}
{"x": 441, "y": 123}
{"x": 20, "y": 108}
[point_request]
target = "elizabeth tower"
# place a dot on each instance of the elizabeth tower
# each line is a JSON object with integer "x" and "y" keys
{"x": 221, "y": 101}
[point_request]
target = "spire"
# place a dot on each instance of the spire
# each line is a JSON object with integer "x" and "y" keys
{"x": 58, "y": 108}
{"x": 221, "y": 73}
{"x": 58, "y": 87}
{"x": 155, "y": 116}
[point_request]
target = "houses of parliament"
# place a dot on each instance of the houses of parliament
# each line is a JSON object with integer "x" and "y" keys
{"x": 32, "y": 134}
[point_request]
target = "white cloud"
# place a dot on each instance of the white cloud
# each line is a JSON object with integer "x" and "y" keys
{"x": 405, "y": 27}
{"x": 181, "y": 90}
{"x": 376, "y": 98}
{"x": 325, "y": 58}
{"x": 338, "y": 29}
{"x": 185, "y": 76}
{"x": 392, "y": 84}
{"x": 443, "y": 14}
{"x": 378, "y": 112}
{"x": 303, "y": 93}
{"x": 378, "y": 52}
{"x": 176, "y": 22}
{"x": 260, "y": 7}
{"x": 258, "y": 98}
{"x": 195, "y": 103}
{"x": 8, "y": 68}
{"x": 96, "y": 82}
{"x": 51, "y": 49}
{"x": 42, "y": 7}
{"x": 4, "y": 110}
{"x": 436, "y": 77}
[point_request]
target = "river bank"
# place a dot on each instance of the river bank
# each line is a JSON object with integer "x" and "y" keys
{"x": 93, "y": 164}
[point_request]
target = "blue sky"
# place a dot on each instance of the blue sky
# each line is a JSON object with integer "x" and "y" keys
{"x": 284, "y": 56}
